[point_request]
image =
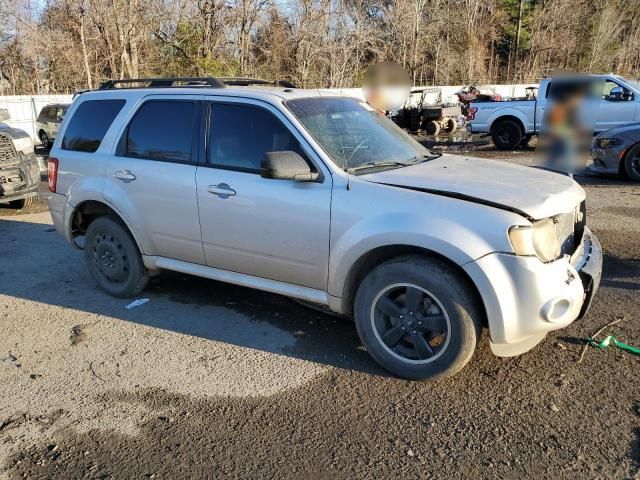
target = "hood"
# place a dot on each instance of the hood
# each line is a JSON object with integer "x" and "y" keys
{"x": 633, "y": 127}
{"x": 530, "y": 192}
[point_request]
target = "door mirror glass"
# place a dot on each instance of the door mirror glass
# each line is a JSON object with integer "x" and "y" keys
{"x": 286, "y": 165}
{"x": 619, "y": 94}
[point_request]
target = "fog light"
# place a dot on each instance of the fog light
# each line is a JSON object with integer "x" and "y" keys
{"x": 554, "y": 310}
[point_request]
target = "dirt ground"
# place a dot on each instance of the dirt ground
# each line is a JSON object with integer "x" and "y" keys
{"x": 208, "y": 380}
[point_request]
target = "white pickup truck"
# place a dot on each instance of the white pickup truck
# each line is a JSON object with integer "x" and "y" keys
{"x": 512, "y": 123}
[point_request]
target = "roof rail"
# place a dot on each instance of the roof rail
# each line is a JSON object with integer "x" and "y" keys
{"x": 246, "y": 81}
{"x": 165, "y": 82}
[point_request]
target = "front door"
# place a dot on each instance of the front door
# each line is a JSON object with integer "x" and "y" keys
{"x": 275, "y": 229}
{"x": 152, "y": 176}
{"x": 615, "y": 109}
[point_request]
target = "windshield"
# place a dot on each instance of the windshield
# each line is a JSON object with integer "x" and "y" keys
{"x": 634, "y": 83}
{"x": 354, "y": 135}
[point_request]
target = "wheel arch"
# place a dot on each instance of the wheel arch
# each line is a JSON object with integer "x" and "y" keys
{"x": 372, "y": 258}
{"x": 87, "y": 211}
{"x": 510, "y": 116}
{"x": 622, "y": 169}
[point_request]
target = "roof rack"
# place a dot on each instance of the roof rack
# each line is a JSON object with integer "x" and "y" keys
{"x": 164, "y": 82}
{"x": 246, "y": 81}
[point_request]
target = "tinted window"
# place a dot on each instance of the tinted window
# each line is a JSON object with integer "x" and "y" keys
{"x": 162, "y": 130}
{"x": 89, "y": 124}
{"x": 240, "y": 135}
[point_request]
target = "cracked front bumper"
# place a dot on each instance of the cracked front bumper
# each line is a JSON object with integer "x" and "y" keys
{"x": 525, "y": 298}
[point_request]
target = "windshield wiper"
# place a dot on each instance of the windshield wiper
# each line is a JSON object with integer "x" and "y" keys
{"x": 423, "y": 158}
{"x": 372, "y": 165}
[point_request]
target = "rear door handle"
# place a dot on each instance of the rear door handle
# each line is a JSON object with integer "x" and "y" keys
{"x": 222, "y": 190}
{"x": 124, "y": 175}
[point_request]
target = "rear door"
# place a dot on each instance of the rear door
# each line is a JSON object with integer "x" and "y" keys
{"x": 275, "y": 229}
{"x": 152, "y": 175}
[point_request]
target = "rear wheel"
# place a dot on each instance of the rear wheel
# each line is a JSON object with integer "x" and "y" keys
{"x": 632, "y": 163}
{"x": 417, "y": 319}
{"x": 113, "y": 258}
{"x": 450, "y": 125}
{"x": 506, "y": 134}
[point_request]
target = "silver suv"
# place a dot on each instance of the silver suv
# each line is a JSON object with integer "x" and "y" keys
{"x": 48, "y": 122}
{"x": 320, "y": 198}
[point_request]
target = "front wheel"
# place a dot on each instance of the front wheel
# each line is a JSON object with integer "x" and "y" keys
{"x": 113, "y": 258}
{"x": 44, "y": 139}
{"x": 632, "y": 163}
{"x": 432, "y": 127}
{"x": 23, "y": 202}
{"x": 417, "y": 319}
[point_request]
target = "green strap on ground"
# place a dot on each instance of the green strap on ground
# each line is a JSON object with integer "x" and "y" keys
{"x": 611, "y": 340}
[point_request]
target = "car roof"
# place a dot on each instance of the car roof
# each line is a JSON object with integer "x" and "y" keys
{"x": 265, "y": 93}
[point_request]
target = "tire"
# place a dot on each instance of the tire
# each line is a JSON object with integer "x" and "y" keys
{"x": 23, "y": 202}
{"x": 432, "y": 127}
{"x": 450, "y": 307}
{"x": 450, "y": 125}
{"x": 632, "y": 163}
{"x": 506, "y": 134}
{"x": 44, "y": 139}
{"x": 113, "y": 258}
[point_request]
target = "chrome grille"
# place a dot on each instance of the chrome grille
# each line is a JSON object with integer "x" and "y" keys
{"x": 8, "y": 152}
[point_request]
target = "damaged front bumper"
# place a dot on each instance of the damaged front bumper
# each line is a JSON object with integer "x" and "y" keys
{"x": 19, "y": 179}
{"x": 525, "y": 298}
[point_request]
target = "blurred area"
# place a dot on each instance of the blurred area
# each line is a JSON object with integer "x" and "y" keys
{"x": 386, "y": 86}
{"x": 567, "y": 130}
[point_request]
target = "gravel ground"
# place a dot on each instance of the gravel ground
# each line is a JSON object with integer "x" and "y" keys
{"x": 209, "y": 380}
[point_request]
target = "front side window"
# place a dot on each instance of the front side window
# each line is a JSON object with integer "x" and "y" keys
{"x": 162, "y": 130}
{"x": 354, "y": 135}
{"x": 89, "y": 124}
{"x": 614, "y": 92}
{"x": 240, "y": 135}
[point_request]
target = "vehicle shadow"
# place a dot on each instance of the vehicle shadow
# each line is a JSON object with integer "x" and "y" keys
{"x": 37, "y": 264}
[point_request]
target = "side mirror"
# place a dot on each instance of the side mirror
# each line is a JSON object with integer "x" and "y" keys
{"x": 286, "y": 165}
{"x": 619, "y": 94}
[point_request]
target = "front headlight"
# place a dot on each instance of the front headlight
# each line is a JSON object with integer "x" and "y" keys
{"x": 539, "y": 239}
{"x": 608, "y": 142}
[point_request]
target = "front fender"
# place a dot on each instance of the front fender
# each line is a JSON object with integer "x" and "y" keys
{"x": 442, "y": 235}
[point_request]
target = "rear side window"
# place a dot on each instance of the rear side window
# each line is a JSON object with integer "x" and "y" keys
{"x": 44, "y": 114}
{"x": 89, "y": 124}
{"x": 162, "y": 130}
{"x": 240, "y": 135}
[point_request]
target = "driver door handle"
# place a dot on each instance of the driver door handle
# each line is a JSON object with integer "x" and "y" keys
{"x": 222, "y": 190}
{"x": 124, "y": 175}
